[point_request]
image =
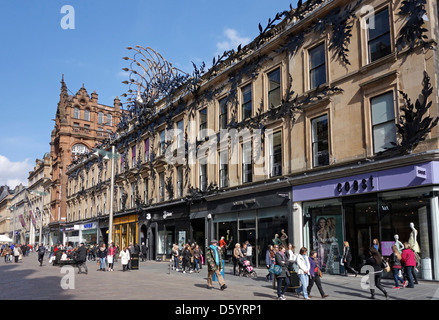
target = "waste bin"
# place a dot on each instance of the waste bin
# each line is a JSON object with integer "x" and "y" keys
{"x": 135, "y": 261}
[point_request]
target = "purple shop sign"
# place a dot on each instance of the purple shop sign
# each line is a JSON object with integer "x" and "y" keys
{"x": 391, "y": 179}
{"x": 386, "y": 248}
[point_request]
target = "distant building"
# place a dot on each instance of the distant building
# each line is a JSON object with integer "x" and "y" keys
{"x": 81, "y": 123}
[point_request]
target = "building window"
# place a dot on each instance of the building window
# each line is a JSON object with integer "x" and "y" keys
{"x": 203, "y": 123}
{"x": 320, "y": 145}
{"x": 317, "y": 66}
{"x": 100, "y": 118}
{"x": 383, "y": 121}
{"x": 133, "y": 194}
{"x": 162, "y": 186}
{"x": 76, "y": 113}
{"x": 223, "y": 114}
{"x": 109, "y": 120}
{"x": 247, "y": 163}
{"x": 162, "y": 143}
{"x": 223, "y": 169}
{"x": 180, "y": 182}
{"x": 100, "y": 132}
{"x": 133, "y": 156}
{"x": 87, "y": 115}
{"x": 274, "y": 94}
{"x": 379, "y": 36}
{"x": 246, "y": 98}
{"x": 276, "y": 155}
{"x": 203, "y": 177}
{"x": 146, "y": 150}
{"x": 145, "y": 190}
{"x": 180, "y": 134}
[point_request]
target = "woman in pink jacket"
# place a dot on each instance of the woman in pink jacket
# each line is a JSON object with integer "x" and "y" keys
{"x": 408, "y": 260}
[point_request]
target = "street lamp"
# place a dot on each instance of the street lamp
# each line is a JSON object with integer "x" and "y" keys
{"x": 41, "y": 194}
{"x": 110, "y": 155}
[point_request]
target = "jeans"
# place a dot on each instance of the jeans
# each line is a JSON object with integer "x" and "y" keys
{"x": 102, "y": 263}
{"x": 304, "y": 279}
{"x": 280, "y": 290}
{"x": 396, "y": 277}
{"x": 408, "y": 270}
{"x": 197, "y": 262}
{"x": 176, "y": 262}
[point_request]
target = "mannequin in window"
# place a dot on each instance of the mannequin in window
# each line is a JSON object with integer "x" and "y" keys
{"x": 283, "y": 238}
{"x": 412, "y": 240}
{"x": 398, "y": 243}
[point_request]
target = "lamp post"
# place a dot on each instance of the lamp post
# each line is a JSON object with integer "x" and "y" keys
{"x": 110, "y": 155}
{"x": 41, "y": 194}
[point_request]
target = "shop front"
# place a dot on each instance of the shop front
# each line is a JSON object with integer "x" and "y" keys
{"x": 71, "y": 235}
{"x": 385, "y": 208}
{"x": 125, "y": 230}
{"x": 257, "y": 218}
{"x": 89, "y": 233}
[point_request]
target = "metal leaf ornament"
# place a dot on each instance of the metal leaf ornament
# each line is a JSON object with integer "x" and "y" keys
{"x": 414, "y": 127}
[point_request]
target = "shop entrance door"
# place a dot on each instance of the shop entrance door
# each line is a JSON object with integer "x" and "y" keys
{"x": 361, "y": 228}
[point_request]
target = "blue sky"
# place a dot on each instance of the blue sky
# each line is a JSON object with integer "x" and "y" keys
{"x": 35, "y": 51}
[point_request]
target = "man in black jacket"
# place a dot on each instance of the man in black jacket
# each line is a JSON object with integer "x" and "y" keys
{"x": 82, "y": 258}
{"x": 41, "y": 251}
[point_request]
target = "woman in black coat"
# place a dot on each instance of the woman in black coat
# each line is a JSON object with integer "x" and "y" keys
{"x": 347, "y": 258}
{"x": 281, "y": 260}
{"x": 375, "y": 261}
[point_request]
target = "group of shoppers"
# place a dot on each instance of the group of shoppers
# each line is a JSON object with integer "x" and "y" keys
{"x": 189, "y": 259}
{"x": 307, "y": 268}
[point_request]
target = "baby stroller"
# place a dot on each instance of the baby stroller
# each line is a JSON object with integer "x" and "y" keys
{"x": 245, "y": 269}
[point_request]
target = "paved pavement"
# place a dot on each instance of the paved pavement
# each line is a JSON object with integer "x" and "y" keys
{"x": 26, "y": 280}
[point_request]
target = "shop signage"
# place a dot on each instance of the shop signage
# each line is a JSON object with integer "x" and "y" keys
{"x": 355, "y": 185}
{"x": 88, "y": 226}
{"x": 421, "y": 172}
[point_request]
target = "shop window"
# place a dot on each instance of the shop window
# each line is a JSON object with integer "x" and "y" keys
{"x": 320, "y": 145}
{"x": 317, "y": 66}
{"x": 383, "y": 121}
{"x": 274, "y": 90}
{"x": 246, "y": 98}
{"x": 379, "y": 36}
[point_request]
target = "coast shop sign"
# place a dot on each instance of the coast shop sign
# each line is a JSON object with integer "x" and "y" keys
{"x": 356, "y": 185}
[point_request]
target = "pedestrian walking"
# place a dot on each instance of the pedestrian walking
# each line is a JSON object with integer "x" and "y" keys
{"x": 175, "y": 252}
{"x": 375, "y": 260}
{"x": 41, "y": 251}
{"x": 408, "y": 259}
{"x": 315, "y": 273}
{"x": 187, "y": 256}
{"x": 110, "y": 256}
{"x": 395, "y": 265}
{"x": 144, "y": 251}
{"x": 124, "y": 258}
{"x": 197, "y": 253}
{"x": 237, "y": 259}
{"x": 347, "y": 258}
{"x": 102, "y": 255}
{"x": 269, "y": 260}
{"x": 214, "y": 265}
{"x": 282, "y": 260}
{"x": 303, "y": 272}
{"x": 17, "y": 253}
{"x": 81, "y": 258}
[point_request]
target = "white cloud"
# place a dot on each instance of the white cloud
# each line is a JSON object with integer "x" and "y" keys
{"x": 233, "y": 40}
{"x": 14, "y": 173}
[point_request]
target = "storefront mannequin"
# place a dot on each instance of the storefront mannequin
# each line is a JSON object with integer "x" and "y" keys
{"x": 398, "y": 243}
{"x": 284, "y": 238}
{"x": 412, "y": 240}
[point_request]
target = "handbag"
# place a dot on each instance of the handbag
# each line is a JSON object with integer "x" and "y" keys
{"x": 385, "y": 265}
{"x": 275, "y": 269}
